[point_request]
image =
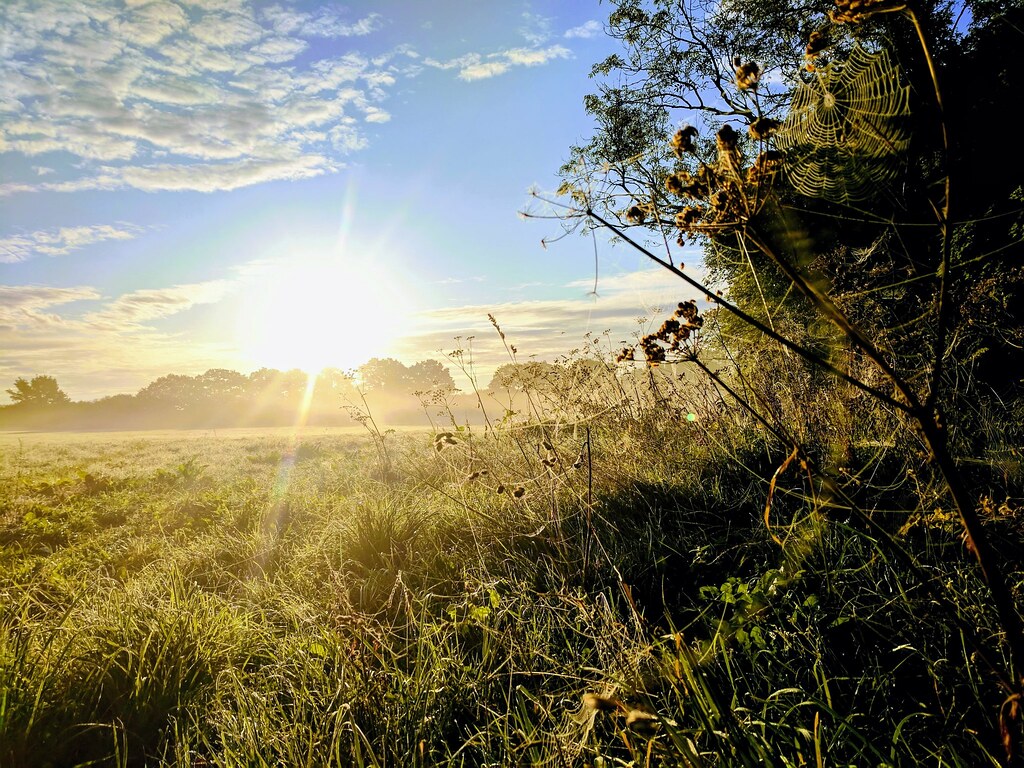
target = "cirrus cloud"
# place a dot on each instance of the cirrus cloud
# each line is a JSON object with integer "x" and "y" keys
{"x": 477, "y": 66}
{"x": 58, "y": 242}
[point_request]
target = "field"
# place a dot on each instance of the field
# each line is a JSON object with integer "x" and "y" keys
{"x": 604, "y": 593}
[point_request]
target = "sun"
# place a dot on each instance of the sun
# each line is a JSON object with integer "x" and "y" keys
{"x": 315, "y": 313}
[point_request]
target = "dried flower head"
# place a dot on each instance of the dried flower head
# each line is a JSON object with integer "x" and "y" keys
{"x": 441, "y": 439}
{"x": 819, "y": 40}
{"x": 636, "y": 214}
{"x": 727, "y": 138}
{"x": 688, "y": 310}
{"x": 726, "y": 204}
{"x": 765, "y": 168}
{"x": 687, "y": 217}
{"x": 705, "y": 180}
{"x": 680, "y": 183}
{"x": 682, "y": 141}
{"x": 729, "y": 159}
{"x": 747, "y": 74}
{"x": 762, "y": 128}
{"x": 653, "y": 351}
{"x": 856, "y": 11}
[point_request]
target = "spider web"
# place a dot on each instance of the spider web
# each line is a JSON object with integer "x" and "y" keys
{"x": 846, "y": 128}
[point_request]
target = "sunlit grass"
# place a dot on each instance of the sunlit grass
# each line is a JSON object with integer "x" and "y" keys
{"x": 247, "y": 598}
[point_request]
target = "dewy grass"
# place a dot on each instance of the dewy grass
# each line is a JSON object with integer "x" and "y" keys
{"x": 189, "y": 602}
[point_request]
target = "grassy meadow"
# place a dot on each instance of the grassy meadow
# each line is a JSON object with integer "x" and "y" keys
{"x": 602, "y": 590}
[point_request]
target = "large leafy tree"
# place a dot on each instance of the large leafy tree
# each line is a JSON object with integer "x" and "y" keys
{"x": 390, "y": 375}
{"x": 41, "y": 390}
{"x": 879, "y": 227}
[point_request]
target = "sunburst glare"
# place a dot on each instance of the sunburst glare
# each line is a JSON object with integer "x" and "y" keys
{"x": 312, "y": 313}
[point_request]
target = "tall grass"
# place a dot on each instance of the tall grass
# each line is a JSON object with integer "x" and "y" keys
{"x": 591, "y": 583}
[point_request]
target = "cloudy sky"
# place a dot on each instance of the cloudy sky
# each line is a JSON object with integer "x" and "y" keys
{"x": 187, "y": 184}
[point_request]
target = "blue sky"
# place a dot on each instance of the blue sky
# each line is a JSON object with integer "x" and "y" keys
{"x": 191, "y": 184}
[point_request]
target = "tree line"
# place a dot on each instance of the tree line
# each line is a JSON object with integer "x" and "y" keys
{"x": 400, "y": 393}
{"x": 223, "y": 397}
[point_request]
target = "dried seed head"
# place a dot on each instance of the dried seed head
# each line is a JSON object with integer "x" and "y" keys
{"x": 726, "y": 138}
{"x": 681, "y": 183}
{"x": 765, "y": 167}
{"x": 636, "y": 214}
{"x": 856, "y": 11}
{"x": 818, "y": 41}
{"x": 441, "y": 439}
{"x": 763, "y": 127}
{"x": 687, "y": 217}
{"x": 682, "y": 141}
{"x": 747, "y": 74}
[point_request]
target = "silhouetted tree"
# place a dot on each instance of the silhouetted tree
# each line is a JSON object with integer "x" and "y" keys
{"x": 174, "y": 391}
{"x": 222, "y": 385}
{"x": 380, "y": 374}
{"x": 429, "y": 374}
{"x": 41, "y": 390}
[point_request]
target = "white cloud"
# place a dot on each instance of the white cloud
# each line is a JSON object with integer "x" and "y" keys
{"x": 22, "y": 307}
{"x": 140, "y": 93}
{"x": 376, "y": 115}
{"x": 586, "y": 30}
{"x": 532, "y": 57}
{"x": 175, "y": 91}
{"x": 115, "y": 346}
{"x": 93, "y": 362}
{"x": 477, "y": 66}
{"x": 131, "y": 310}
{"x": 208, "y": 177}
{"x": 61, "y": 241}
{"x": 483, "y": 70}
{"x": 278, "y": 50}
{"x": 324, "y": 23}
{"x": 148, "y": 24}
{"x": 227, "y": 30}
